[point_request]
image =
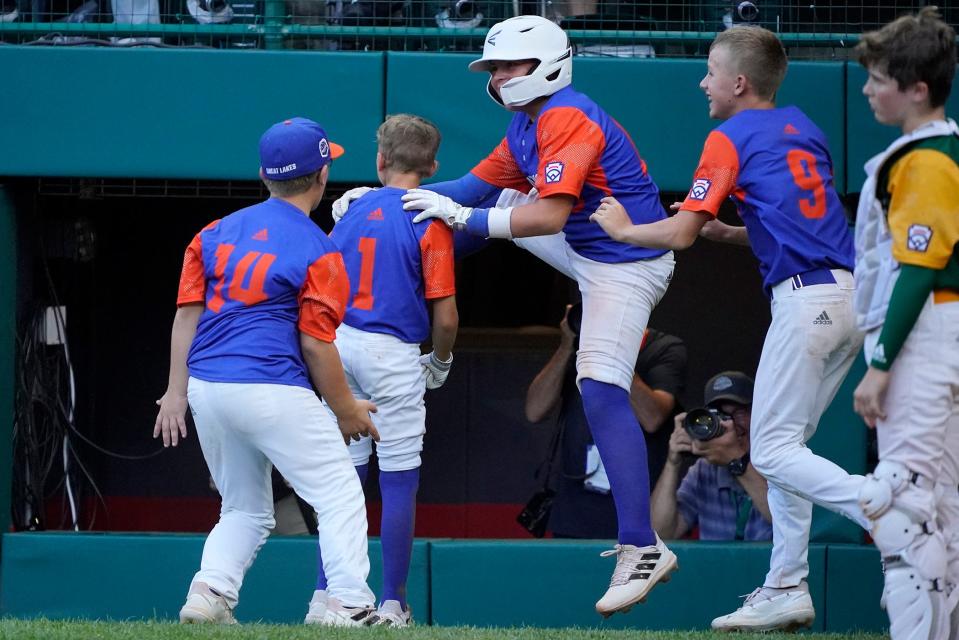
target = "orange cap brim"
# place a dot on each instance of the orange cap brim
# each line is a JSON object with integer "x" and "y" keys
{"x": 336, "y": 150}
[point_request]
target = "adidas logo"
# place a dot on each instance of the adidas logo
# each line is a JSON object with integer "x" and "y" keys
{"x": 822, "y": 319}
{"x": 261, "y": 235}
{"x": 376, "y": 215}
{"x": 790, "y": 130}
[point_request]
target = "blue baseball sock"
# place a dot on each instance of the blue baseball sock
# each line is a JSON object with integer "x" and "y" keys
{"x": 396, "y": 530}
{"x": 622, "y": 446}
{"x": 362, "y": 471}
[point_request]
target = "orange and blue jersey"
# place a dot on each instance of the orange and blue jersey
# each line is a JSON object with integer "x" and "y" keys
{"x": 394, "y": 265}
{"x": 574, "y": 148}
{"x": 775, "y": 165}
{"x": 264, "y": 274}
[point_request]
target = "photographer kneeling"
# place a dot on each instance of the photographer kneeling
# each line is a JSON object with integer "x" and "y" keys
{"x": 721, "y": 493}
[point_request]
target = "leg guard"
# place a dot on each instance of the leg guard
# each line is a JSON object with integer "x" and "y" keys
{"x": 876, "y": 494}
{"x": 900, "y": 505}
{"x": 916, "y": 606}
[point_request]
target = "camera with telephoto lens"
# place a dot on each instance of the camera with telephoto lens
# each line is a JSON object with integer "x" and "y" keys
{"x": 705, "y": 423}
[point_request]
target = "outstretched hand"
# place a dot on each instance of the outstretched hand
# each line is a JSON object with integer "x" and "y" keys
{"x": 434, "y": 205}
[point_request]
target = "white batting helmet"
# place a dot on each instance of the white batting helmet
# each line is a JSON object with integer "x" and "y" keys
{"x": 528, "y": 38}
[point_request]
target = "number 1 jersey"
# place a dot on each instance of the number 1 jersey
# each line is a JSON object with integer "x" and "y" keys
{"x": 394, "y": 265}
{"x": 775, "y": 165}
{"x": 264, "y": 273}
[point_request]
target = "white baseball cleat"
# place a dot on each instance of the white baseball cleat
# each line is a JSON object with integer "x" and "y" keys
{"x": 339, "y": 615}
{"x": 638, "y": 570}
{"x": 768, "y": 609}
{"x": 391, "y": 614}
{"x": 317, "y": 610}
{"x": 206, "y": 606}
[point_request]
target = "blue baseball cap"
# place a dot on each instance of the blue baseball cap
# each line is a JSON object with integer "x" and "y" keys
{"x": 294, "y": 148}
{"x": 733, "y": 386}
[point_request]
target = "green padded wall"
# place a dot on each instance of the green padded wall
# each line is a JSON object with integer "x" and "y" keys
{"x": 198, "y": 114}
{"x": 853, "y": 588}
{"x": 119, "y": 576}
{"x": 551, "y": 583}
{"x": 866, "y": 137}
{"x": 441, "y": 89}
{"x": 556, "y": 584}
{"x": 179, "y": 114}
{"x": 8, "y": 331}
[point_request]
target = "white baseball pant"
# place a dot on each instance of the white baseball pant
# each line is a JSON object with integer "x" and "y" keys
{"x": 809, "y": 347}
{"x": 921, "y": 433}
{"x": 617, "y": 301}
{"x": 384, "y": 369}
{"x": 242, "y": 428}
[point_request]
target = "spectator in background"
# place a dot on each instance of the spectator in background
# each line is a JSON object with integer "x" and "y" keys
{"x": 135, "y": 12}
{"x": 583, "y": 506}
{"x": 722, "y": 493}
{"x": 211, "y": 11}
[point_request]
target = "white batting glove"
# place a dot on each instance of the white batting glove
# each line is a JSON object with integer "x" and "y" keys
{"x": 343, "y": 202}
{"x": 436, "y": 206}
{"x": 435, "y": 369}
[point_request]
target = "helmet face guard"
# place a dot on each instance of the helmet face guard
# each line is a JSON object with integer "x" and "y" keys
{"x": 527, "y": 38}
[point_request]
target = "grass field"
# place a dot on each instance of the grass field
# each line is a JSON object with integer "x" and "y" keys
{"x": 62, "y": 630}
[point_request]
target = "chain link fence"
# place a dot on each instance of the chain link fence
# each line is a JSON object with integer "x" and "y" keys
{"x": 614, "y": 28}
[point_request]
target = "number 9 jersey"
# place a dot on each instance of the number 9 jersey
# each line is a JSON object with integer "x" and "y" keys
{"x": 265, "y": 273}
{"x": 775, "y": 165}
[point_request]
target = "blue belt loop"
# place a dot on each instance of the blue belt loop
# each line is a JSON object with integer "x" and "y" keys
{"x": 813, "y": 277}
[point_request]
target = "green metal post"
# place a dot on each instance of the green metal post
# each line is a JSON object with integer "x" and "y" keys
{"x": 274, "y": 13}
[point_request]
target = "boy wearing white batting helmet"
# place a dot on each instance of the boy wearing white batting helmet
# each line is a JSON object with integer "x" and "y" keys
{"x": 907, "y": 265}
{"x": 261, "y": 294}
{"x": 563, "y": 146}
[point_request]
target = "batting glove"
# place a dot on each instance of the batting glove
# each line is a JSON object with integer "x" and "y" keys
{"x": 435, "y": 369}
{"x": 434, "y": 205}
{"x": 343, "y": 202}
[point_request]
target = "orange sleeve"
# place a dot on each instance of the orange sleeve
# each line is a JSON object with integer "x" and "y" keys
{"x": 436, "y": 248}
{"x": 715, "y": 177}
{"x": 192, "y": 277}
{"x": 570, "y": 144}
{"x": 500, "y": 169}
{"x": 323, "y": 297}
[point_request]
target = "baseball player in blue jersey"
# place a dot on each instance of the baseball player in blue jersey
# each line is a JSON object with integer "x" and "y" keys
{"x": 261, "y": 294}
{"x": 775, "y": 165}
{"x": 398, "y": 269}
{"x": 573, "y": 153}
